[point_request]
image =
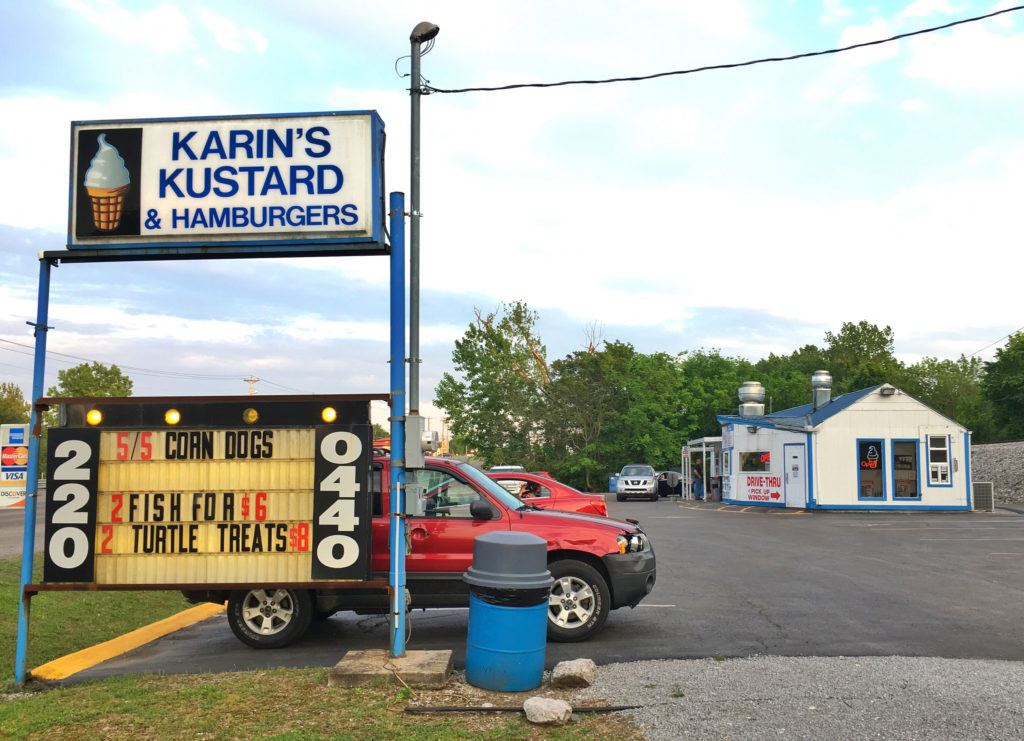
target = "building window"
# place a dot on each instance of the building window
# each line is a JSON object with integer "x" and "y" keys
{"x": 938, "y": 460}
{"x": 871, "y": 469}
{"x": 755, "y": 461}
{"x": 904, "y": 470}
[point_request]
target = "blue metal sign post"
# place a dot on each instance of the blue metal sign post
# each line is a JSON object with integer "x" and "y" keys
{"x": 396, "y": 533}
{"x": 31, "y": 484}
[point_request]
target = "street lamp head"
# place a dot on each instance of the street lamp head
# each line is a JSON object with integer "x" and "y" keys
{"x": 424, "y": 31}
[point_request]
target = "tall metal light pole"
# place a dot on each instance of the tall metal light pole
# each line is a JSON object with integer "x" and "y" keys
{"x": 412, "y": 424}
{"x": 424, "y": 32}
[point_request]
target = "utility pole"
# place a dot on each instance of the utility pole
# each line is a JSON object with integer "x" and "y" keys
{"x": 423, "y": 33}
{"x": 251, "y": 380}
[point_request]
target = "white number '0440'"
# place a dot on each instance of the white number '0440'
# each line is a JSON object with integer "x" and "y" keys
{"x": 341, "y": 513}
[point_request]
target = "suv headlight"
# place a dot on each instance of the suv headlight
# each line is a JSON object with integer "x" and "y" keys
{"x": 632, "y": 543}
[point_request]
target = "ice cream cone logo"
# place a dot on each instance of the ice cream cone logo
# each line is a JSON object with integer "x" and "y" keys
{"x": 107, "y": 183}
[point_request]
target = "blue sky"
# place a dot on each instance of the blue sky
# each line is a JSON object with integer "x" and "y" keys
{"x": 749, "y": 210}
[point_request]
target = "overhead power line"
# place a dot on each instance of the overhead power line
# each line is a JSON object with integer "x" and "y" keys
{"x": 994, "y": 342}
{"x": 427, "y": 88}
{"x": 65, "y": 357}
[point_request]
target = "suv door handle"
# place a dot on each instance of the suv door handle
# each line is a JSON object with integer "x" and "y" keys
{"x": 419, "y": 533}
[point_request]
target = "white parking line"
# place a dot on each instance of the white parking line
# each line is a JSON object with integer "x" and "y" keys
{"x": 1018, "y": 539}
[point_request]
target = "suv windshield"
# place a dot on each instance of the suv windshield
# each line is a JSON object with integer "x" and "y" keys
{"x": 490, "y": 485}
{"x": 637, "y": 471}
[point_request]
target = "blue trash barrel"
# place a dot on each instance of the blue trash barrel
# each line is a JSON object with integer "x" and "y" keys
{"x": 509, "y": 584}
{"x": 613, "y": 483}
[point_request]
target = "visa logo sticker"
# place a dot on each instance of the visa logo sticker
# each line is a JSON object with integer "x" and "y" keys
{"x": 15, "y": 475}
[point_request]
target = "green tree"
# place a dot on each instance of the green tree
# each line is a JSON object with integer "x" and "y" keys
{"x": 91, "y": 380}
{"x": 947, "y": 386}
{"x": 652, "y": 417}
{"x": 494, "y": 403}
{"x": 787, "y": 378}
{"x": 860, "y": 356}
{"x": 13, "y": 407}
{"x": 86, "y": 380}
{"x": 1003, "y": 387}
{"x": 583, "y": 401}
{"x": 710, "y": 386}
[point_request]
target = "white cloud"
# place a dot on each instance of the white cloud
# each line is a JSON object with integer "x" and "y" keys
{"x": 924, "y": 8}
{"x": 834, "y": 12}
{"x": 845, "y": 79}
{"x": 34, "y": 134}
{"x": 969, "y": 58}
{"x": 877, "y": 30}
{"x": 861, "y": 91}
{"x": 164, "y": 28}
{"x": 316, "y": 329}
{"x": 230, "y": 36}
{"x": 119, "y": 324}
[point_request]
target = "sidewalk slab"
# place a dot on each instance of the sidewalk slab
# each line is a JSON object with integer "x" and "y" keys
{"x": 374, "y": 667}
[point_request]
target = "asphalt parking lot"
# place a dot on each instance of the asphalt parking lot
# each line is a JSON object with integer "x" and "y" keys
{"x": 756, "y": 581}
{"x": 733, "y": 582}
{"x": 764, "y": 623}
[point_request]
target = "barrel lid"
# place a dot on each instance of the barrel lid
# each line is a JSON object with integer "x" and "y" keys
{"x": 509, "y": 560}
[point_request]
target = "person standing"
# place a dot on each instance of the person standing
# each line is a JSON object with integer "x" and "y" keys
{"x": 697, "y": 471}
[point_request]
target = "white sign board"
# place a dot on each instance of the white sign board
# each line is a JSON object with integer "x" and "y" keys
{"x": 295, "y": 180}
{"x": 13, "y": 465}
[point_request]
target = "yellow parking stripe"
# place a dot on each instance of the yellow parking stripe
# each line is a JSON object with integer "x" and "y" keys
{"x": 88, "y": 657}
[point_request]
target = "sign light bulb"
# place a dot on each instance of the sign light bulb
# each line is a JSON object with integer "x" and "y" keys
{"x": 172, "y": 416}
{"x": 329, "y": 414}
{"x": 94, "y": 416}
{"x": 250, "y": 416}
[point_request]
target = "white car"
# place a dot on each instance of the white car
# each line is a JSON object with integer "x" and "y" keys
{"x": 637, "y": 480}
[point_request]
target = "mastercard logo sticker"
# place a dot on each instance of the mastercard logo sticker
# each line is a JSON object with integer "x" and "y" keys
{"x": 14, "y": 456}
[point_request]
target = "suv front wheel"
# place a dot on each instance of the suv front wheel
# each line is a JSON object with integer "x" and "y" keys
{"x": 578, "y": 603}
{"x": 269, "y": 618}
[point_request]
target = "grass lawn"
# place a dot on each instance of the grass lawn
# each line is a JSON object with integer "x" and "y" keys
{"x": 64, "y": 622}
{"x": 272, "y": 704}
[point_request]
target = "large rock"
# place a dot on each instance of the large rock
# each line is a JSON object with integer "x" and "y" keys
{"x": 576, "y": 673}
{"x": 545, "y": 711}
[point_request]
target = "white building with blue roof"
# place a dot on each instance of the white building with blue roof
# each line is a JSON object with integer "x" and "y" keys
{"x": 877, "y": 448}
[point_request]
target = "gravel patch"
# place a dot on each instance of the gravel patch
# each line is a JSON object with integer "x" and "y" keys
{"x": 817, "y": 698}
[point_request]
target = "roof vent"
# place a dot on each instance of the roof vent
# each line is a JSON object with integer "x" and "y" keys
{"x": 751, "y": 395}
{"x": 821, "y": 382}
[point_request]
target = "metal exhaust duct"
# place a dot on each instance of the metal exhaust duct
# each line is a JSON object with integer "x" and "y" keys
{"x": 821, "y": 382}
{"x": 751, "y": 395}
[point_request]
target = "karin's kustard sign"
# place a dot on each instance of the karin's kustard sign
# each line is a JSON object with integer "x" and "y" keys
{"x": 301, "y": 179}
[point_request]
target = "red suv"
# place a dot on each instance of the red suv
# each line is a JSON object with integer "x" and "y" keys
{"x": 598, "y": 564}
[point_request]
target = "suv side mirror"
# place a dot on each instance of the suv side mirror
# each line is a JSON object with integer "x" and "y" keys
{"x": 481, "y": 510}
